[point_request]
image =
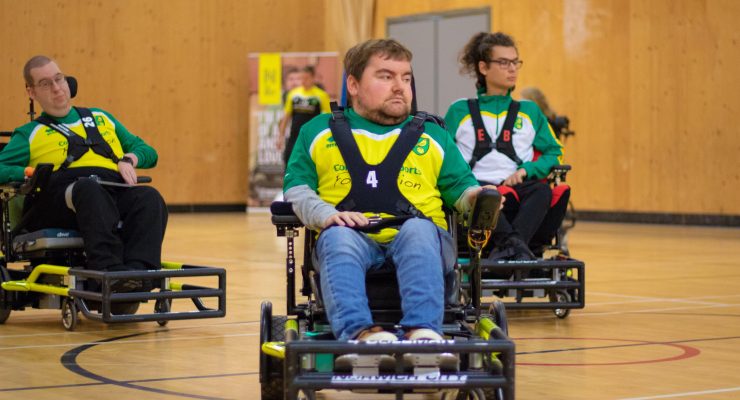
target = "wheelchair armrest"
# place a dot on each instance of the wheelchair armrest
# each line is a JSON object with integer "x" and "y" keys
{"x": 283, "y": 215}
{"x": 38, "y": 180}
{"x": 558, "y": 173}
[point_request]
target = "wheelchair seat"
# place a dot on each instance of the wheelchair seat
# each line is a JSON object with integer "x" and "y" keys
{"x": 381, "y": 284}
{"x": 38, "y": 243}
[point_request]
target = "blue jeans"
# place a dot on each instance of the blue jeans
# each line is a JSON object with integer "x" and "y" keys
{"x": 423, "y": 254}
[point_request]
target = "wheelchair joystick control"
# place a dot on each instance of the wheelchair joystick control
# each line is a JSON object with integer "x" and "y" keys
{"x": 485, "y": 211}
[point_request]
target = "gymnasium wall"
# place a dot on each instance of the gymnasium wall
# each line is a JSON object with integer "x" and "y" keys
{"x": 651, "y": 88}
{"x": 172, "y": 71}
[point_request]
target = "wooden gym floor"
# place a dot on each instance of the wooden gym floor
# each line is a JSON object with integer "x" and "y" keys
{"x": 662, "y": 321}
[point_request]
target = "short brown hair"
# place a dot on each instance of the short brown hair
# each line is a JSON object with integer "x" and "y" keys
{"x": 34, "y": 62}
{"x": 309, "y": 69}
{"x": 356, "y": 59}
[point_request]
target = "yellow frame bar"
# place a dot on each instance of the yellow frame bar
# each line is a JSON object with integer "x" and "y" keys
{"x": 171, "y": 265}
{"x": 29, "y": 284}
{"x": 274, "y": 349}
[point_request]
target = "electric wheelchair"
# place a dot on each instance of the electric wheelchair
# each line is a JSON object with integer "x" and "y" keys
{"x": 298, "y": 351}
{"x": 554, "y": 281}
{"x": 44, "y": 269}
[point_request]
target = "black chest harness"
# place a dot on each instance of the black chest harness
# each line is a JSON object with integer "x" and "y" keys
{"x": 375, "y": 187}
{"x": 483, "y": 142}
{"x": 77, "y": 146}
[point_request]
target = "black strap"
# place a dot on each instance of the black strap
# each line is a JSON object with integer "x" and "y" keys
{"x": 483, "y": 142}
{"x": 374, "y": 188}
{"x": 504, "y": 142}
{"x": 77, "y": 146}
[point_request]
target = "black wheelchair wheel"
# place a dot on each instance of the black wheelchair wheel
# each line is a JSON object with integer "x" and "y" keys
{"x": 272, "y": 329}
{"x": 498, "y": 311}
{"x": 4, "y": 312}
{"x": 162, "y": 306}
{"x": 472, "y": 394}
{"x": 4, "y": 296}
{"x": 69, "y": 314}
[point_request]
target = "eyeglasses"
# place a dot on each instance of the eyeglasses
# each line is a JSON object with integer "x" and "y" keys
{"x": 46, "y": 84}
{"x": 505, "y": 64}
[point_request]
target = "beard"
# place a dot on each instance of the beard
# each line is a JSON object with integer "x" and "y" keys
{"x": 386, "y": 114}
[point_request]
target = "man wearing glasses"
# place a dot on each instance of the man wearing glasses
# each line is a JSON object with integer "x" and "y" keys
{"x": 509, "y": 144}
{"x": 122, "y": 226}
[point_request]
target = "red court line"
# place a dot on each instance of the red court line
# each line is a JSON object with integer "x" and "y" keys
{"x": 686, "y": 352}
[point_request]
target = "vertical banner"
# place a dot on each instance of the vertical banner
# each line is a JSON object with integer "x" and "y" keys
{"x": 271, "y": 77}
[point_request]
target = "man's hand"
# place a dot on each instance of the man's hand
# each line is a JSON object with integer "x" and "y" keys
{"x": 127, "y": 170}
{"x": 474, "y": 193}
{"x": 347, "y": 218}
{"x": 516, "y": 178}
{"x": 280, "y": 142}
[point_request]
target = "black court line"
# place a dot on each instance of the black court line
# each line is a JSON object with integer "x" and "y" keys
{"x": 72, "y": 385}
{"x": 615, "y": 346}
{"x": 69, "y": 361}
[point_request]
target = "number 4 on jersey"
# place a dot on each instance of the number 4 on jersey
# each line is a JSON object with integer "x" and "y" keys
{"x": 372, "y": 180}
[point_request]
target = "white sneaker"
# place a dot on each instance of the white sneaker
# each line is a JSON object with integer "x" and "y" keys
{"x": 368, "y": 364}
{"x": 380, "y": 336}
{"x": 429, "y": 361}
{"x": 425, "y": 334}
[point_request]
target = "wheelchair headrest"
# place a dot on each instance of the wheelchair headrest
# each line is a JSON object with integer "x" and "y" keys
{"x": 72, "y": 82}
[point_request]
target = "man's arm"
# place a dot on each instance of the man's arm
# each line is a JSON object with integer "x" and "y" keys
{"x": 144, "y": 156}
{"x": 546, "y": 143}
{"x": 318, "y": 214}
{"x": 324, "y": 102}
{"x": 14, "y": 158}
{"x": 287, "y": 115}
{"x": 280, "y": 144}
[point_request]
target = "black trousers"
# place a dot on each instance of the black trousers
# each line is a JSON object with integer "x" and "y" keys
{"x": 523, "y": 218}
{"x": 551, "y": 223}
{"x": 123, "y": 227}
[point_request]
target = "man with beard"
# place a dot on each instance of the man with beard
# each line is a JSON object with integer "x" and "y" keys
{"x": 373, "y": 164}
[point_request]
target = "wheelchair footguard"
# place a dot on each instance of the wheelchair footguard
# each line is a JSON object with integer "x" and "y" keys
{"x": 559, "y": 282}
{"x": 53, "y": 286}
{"x": 295, "y": 362}
{"x": 51, "y": 278}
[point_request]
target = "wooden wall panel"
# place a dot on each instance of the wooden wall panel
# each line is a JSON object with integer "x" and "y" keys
{"x": 651, "y": 89}
{"x": 173, "y": 71}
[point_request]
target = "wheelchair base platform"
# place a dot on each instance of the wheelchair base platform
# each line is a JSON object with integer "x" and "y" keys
{"x": 44, "y": 287}
{"x": 295, "y": 363}
{"x": 561, "y": 281}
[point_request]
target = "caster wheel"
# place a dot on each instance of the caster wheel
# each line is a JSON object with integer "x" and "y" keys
{"x": 163, "y": 306}
{"x": 69, "y": 314}
{"x": 562, "y": 297}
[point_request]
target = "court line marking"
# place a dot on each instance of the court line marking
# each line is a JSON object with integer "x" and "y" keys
{"x": 69, "y": 361}
{"x": 685, "y": 394}
{"x": 593, "y": 314}
{"x": 107, "y": 341}
{"x": 169, "y": 329}
{"x": 173, "y": 378}
{"x": 647, "y": 299}
{"x": 686, "y": 352}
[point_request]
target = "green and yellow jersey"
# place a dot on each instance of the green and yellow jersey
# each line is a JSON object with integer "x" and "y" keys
{"x": 35, "y": 143}
{"x": 434, "y": 173}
